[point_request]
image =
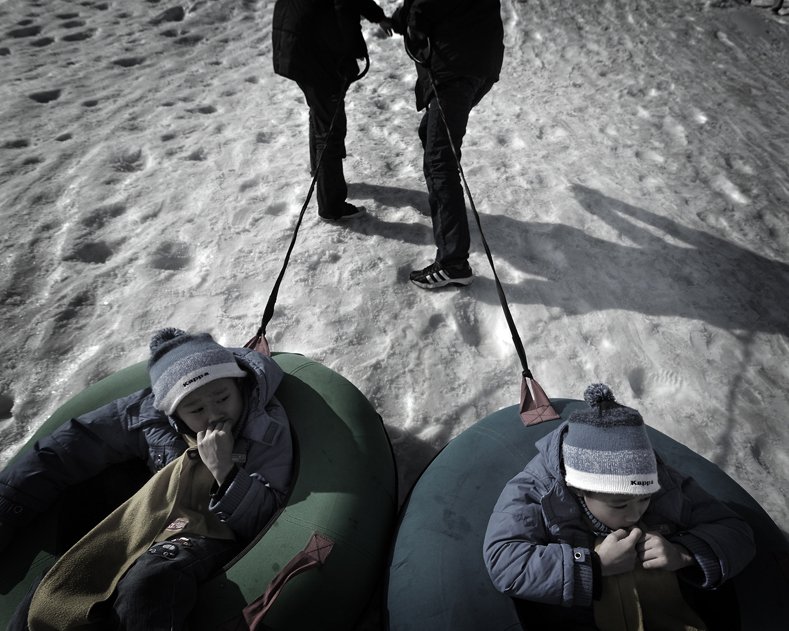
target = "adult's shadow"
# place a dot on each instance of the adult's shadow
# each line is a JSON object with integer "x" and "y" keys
{"x": 672, "y": 269}
{"x": 655, "y": 267}
{"x": 416, "y": 232}
{"x": 391, "y": 196}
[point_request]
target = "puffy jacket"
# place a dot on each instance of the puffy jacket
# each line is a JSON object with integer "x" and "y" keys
{"x": 538, "y": 544}
{"x": 131, "y": 428}
{"x": 317, "y": 41}
{"x": 466, "y": 37}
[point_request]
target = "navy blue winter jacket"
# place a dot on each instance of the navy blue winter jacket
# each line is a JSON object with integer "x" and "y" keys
{"x": 131, "y": 428}
{"x": 538, "y": 543}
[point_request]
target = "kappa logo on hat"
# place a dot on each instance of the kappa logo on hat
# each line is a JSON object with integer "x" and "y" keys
{"x": 641, "y": 482}
{"x": 195, "y": 378}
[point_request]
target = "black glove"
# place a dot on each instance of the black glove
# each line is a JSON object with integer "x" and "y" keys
{"x": 398, "y": 23}
{"x": 387, "y": 26}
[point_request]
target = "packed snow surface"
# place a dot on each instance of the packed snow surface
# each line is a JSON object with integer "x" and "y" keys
{"x": 630, "y": 169}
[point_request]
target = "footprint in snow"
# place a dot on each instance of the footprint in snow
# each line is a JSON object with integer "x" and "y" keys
{"x": 45, "y": 96}
{"x": 17, "y": 143}
{"x": 93, "y": 252}
{"x": 171, "y": 256}
{"x": 128, "y": 62}
{"x": 173, "y": 14}
{"x": 78, "y": 37}
{"x": 24, "y": 31}
{"x": 101, "y": 215}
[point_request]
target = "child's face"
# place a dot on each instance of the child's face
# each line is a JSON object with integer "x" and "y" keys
{"x": 617, "y": 511}
{"x": 219, "y": 401}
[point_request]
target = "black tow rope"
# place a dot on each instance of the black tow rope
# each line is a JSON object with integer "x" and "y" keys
{"x": 259, "y": 341}
{"x": 535, "y": 405}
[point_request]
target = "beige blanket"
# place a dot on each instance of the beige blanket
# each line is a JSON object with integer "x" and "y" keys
{"x": 644, "y": 600}
{"x": 174, "y": 501}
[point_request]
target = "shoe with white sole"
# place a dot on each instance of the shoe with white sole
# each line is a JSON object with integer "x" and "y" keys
{"x": 437, "y": 275}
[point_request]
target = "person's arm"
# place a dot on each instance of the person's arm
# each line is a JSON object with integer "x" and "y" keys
{"x": 424, "y": 16}
{"x": 346, "y": 13}
{"x": 655, "y": 552}
{"x": 398, "y": 19}
{"x": 416, "y": 21}
{"x": 522, "y": 559}
{"x": 76, "y": 451}
{"x": 215, "y": 446}
{"x": 253, "y": 491}
{"x": 370, "y": 11}
{"x": 618, "y": 552}
{"x": 386, "y": 26}
{"x": 719, "y": 540}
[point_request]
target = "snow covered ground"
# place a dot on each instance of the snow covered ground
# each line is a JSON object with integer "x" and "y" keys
{"x": 630, "y": 169}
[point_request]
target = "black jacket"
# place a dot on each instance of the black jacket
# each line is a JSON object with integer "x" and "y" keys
{"x": 317, "y": 41}
{"x": 466, "y": 37}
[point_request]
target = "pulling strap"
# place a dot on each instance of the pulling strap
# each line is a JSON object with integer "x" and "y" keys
{"x": 499, "y": 289}
{"x": 313, "y": 555}
{"x": 535, "y": 405}
{"x": 259, "y": 342}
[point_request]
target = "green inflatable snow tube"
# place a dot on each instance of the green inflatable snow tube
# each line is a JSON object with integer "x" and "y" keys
{"x": 437, "y": 579}
{"x": 345, "y": 489}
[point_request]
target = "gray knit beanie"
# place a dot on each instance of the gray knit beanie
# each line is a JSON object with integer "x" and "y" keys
{"x": 606, "y": 448}
{"x": 180, "y": 363}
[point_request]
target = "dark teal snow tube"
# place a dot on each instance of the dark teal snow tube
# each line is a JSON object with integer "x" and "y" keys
{"x": 437, "y": 579}
{"x": 345, "y": 490}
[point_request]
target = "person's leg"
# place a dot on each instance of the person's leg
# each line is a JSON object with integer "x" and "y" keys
{"x": 445, "y": 193}
{"x": 159, "y": 591}
{"x": 331, "y": 189}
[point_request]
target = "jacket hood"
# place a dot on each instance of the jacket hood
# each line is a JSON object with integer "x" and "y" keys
{"x": 550, "y": 448}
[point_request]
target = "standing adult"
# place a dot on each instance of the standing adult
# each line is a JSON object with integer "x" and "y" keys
{"x": 317, "y": 44}
{"x": 461, "y": 43}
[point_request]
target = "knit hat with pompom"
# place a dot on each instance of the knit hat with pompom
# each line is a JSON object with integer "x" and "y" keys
{"x": 181, "y": 363}
{"x": 606, "y": 448}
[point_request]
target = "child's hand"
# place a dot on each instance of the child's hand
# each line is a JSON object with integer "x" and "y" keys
{"x": 617, "y": 551}
{"x": 215, "y": 446}
{"x": 657, "y": 553}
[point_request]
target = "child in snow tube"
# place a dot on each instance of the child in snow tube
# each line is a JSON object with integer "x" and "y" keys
{"x": 597, "y": 533}
{"x": 220, "y": 445}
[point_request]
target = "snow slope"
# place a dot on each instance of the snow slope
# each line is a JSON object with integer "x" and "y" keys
{"x": 630, "y": 168}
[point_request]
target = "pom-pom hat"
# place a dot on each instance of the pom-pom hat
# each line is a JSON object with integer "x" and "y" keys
{"x": 606, "y": 448}
{"x": 181, "y": 363}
